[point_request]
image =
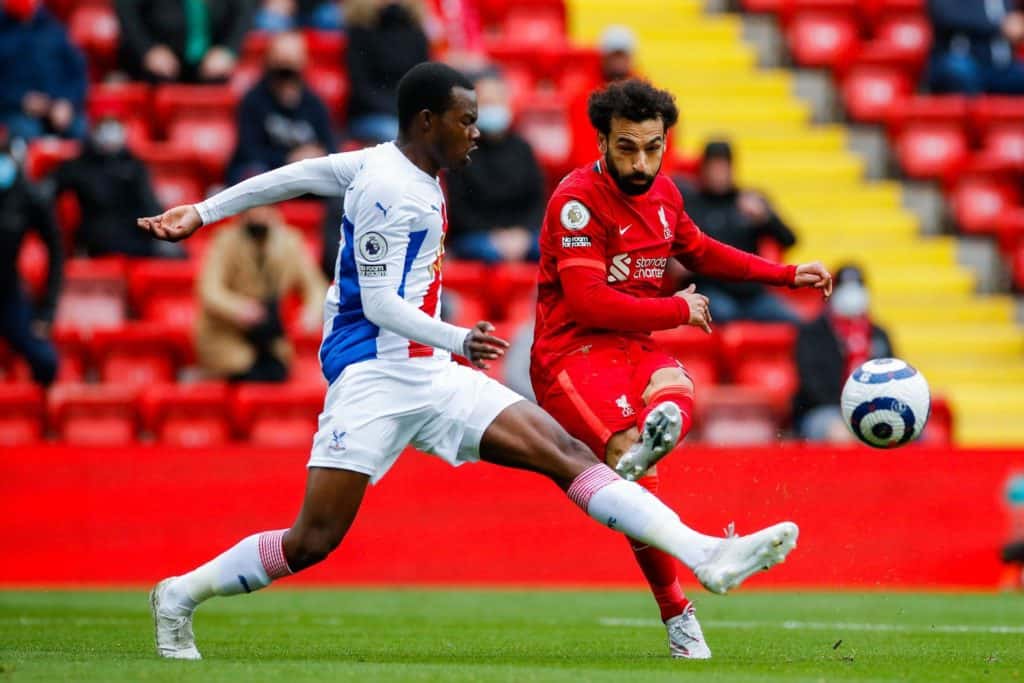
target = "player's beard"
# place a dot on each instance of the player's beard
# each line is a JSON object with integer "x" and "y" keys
{"x": 626, "y": 183}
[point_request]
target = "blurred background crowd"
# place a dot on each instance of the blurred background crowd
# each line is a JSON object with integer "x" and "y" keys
{"x": 885, "y": 137}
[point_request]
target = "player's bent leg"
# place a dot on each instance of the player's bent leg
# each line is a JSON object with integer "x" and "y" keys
{"x": 665, "y": 419}
{"x": 332, "y": 500}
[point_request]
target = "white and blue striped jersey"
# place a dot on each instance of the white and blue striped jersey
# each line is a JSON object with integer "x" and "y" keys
{"x": 392, "y": 236}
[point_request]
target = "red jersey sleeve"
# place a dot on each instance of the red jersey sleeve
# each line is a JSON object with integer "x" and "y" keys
{"x": 575, "y": 237}
{"x": 709, "y": 257}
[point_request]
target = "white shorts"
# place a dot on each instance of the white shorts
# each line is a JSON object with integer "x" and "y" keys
{"x": 376, "y": 408}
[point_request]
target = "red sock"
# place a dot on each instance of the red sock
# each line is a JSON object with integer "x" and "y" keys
{"x": 681, "y": 396}
{"x": 659, "y": 569}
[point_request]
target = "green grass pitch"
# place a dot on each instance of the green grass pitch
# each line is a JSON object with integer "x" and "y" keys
{"x": 474, "y": 635}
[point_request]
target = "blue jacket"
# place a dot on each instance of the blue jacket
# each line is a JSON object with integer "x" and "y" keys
{"x": 37, "y": 55}
{"x": 971, "y": 27}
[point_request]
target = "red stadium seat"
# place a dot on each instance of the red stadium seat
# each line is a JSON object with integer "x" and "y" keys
{"x": 173, "y": 189}
{"x": 140, "y": 353}
{"x": 122, "y": 100}
{"x": 73, "y": 351}
{"x": 21, "y": 414}
{"x": 278, "y": 414}
{"x": 331, "y": 83}
{"x": 45, "y": 154}
{"x": 696, "y": 350}
{"x": 13, "y": 368}
{"x": 822, "y": 39}
{"x": 1009, "y": 227}
{"x": 212, "y": 141}
{"x": 535, "y": 25}
{"x": 932, "y": 150}
{"x": 544, "y": 123}
{"x": 163, "y": 291}
{"x": 737, "y": 416}
{"x": 1017, "y": 268}
{"x": 188, "y": 415}
{"x": 908, "y": 34}
{"x": 305, "y": 367}
{"x": 93, "y": 294}
{"x": 94, "y": 414}
{"x": 979, "y": 201}
{"x": 760, "y": 355}
{"x": 326, "y": 47}
{"x": 939, "y": 430}
{"x": 950, "y": 110}
{"x": 255, "y": 47}
{"x": 172, "y": 102}
{"x": 95, "y": 28}
{"x": 305, "y": 215}
{"x": 763, "y": 6}
{"x": 870, "y": 92}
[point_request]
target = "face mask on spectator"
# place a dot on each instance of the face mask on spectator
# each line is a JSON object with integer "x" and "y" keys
{"x": 8, "y": 171}
{"x": 850, "y": 300}
{"x": 493, "y": 119}
{"x": 256, "y": 230}
{"x": 108, "y": 137}
{"x": 282, "y": 74}
{"x": 394, "y": 14}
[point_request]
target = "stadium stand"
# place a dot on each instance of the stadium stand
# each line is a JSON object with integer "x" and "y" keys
{"x": 121, "y": 324}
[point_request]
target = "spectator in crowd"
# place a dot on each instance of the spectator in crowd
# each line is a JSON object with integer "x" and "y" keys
{"x": 828, "y": 349}
{"x": 495, "y": 205}
{"x": 288, "y": 15}
{"x": 385, "y": 39}
{"x": 112, "y": 187}
{"x": 26, "y": 327}
{"x": 973, "y": 47}
{"x": 248, "y": 269}
{"x": 190, "y": 41}
{"x": 617, "y": 45}
{"x": 281, "y": 119}
{"x": 740, "y": 218}
{"x": 43, "y": 75}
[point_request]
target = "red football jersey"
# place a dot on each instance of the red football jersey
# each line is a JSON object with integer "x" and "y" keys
{"x": 590, "y": 222}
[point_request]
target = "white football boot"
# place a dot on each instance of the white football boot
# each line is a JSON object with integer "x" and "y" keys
{"x": 736, "y": 558}
{"x": 174, "y": 637}
{"x": 685, "y": 639}
{"x": 659, "y": 436}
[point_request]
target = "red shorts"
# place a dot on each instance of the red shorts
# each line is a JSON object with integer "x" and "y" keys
{"x": 597, "y": 392}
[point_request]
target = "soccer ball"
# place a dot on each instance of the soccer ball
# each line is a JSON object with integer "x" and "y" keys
{"x": 886, "y": 402}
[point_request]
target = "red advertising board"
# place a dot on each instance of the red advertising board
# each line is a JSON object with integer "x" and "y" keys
{"x": 917, "y": 517}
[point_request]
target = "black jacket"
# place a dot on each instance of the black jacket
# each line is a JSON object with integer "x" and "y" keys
{"x": 112, "y": 191}
{"x": 821, "y": 363}
{"x": 503, "y": 186}
{"x": 969, "y": 23}
{"x": 268, "y": 132}
{"x": 719, "y": 217}
{"x": 377, "y": 59}
{"x": 23, "y": 208}
{"x": 146, "y": 23}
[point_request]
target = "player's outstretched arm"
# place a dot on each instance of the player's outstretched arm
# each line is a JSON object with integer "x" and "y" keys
{"x": 327, "y": 176}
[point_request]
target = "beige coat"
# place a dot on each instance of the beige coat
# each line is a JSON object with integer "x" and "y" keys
{"x": 231, "y": 277}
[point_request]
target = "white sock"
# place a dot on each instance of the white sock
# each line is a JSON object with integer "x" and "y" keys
{"x": 630, "y": 508}
{"x": 248, "y": 566}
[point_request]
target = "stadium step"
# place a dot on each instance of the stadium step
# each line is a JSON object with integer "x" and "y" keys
{"x": 966, "y": 343}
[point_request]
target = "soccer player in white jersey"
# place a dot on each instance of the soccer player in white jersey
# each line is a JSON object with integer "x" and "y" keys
{"x": 386, "y": 355}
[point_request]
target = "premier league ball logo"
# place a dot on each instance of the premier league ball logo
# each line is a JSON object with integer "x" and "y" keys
{"x": 373, "y": 246}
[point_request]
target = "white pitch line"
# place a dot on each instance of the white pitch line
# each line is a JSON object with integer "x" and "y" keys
{"x": 826, "y": 626}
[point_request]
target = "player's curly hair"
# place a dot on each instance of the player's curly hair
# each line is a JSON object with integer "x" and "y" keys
{"x": 632, "y": 99}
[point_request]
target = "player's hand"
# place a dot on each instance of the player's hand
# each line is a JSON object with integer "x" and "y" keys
{"x": 700, "y": 314}
{"x": 814, "y": 275}
{"x": 172, "y": 225}
{"x": 160, "y": 61}
{"x": 481, "y": 346}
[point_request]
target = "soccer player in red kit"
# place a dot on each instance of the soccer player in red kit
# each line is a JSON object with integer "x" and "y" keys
{"x": 609, "y": 233}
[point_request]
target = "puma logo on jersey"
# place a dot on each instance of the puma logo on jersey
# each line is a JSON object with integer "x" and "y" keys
{"x": 618, "y": 269}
